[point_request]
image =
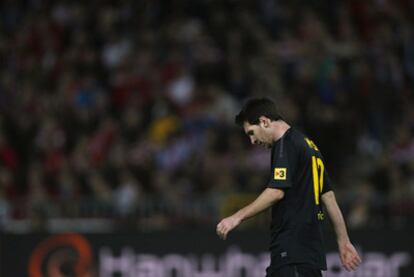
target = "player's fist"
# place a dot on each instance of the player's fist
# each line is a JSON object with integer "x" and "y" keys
{"x": 226, "y": 225}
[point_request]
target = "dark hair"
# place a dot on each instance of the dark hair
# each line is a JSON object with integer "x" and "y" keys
{"x": 254, "y": 108}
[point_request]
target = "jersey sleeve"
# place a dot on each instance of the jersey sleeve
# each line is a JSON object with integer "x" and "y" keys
{"x": 327, "y": 186}
{"x": 282, "y": 167}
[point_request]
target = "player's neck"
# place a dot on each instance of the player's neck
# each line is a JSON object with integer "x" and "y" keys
{"x": 279, "y": 129}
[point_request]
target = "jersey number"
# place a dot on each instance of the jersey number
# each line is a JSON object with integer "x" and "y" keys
{"x": 317, "y": 173}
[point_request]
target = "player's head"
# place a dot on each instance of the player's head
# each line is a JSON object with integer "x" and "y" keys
{"x": 256, "y": 117}
{"x": 254, "y": 108}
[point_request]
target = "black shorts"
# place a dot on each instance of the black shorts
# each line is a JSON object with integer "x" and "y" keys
{"x": 295, "y": 270}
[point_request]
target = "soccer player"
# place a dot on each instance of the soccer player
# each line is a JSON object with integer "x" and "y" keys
{"x": 298, "y": 186}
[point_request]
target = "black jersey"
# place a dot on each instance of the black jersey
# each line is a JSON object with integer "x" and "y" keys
{"x": 298, "y": 168}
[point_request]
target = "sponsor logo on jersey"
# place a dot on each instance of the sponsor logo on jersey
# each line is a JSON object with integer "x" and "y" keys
{"x": 280, "y": 173}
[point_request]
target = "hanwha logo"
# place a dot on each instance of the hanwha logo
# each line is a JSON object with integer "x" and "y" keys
{"x": 65, "y": 255}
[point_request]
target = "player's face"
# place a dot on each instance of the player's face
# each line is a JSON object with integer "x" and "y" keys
{"x": 258, "y": 134}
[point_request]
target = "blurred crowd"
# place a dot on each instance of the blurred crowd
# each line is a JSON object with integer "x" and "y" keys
{"x": 125, "y": 109}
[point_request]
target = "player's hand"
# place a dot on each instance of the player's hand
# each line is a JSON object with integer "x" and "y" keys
{"x": 349, "y": 256}
{"x": 226, "y": 225}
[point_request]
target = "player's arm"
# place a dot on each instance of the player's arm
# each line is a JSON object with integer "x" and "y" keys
{"x": 266, "y": 199}
{"x": 348, "y": 254}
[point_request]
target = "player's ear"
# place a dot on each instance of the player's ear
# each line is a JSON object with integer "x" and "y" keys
{"x": 264, "y": 121}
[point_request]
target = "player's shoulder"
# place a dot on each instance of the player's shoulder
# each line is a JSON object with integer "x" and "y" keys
{"x": 300, "y": 140}
{"x": 295, "y": 136}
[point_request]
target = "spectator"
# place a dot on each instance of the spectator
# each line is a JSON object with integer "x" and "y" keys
{"x": 90, "y": 91}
